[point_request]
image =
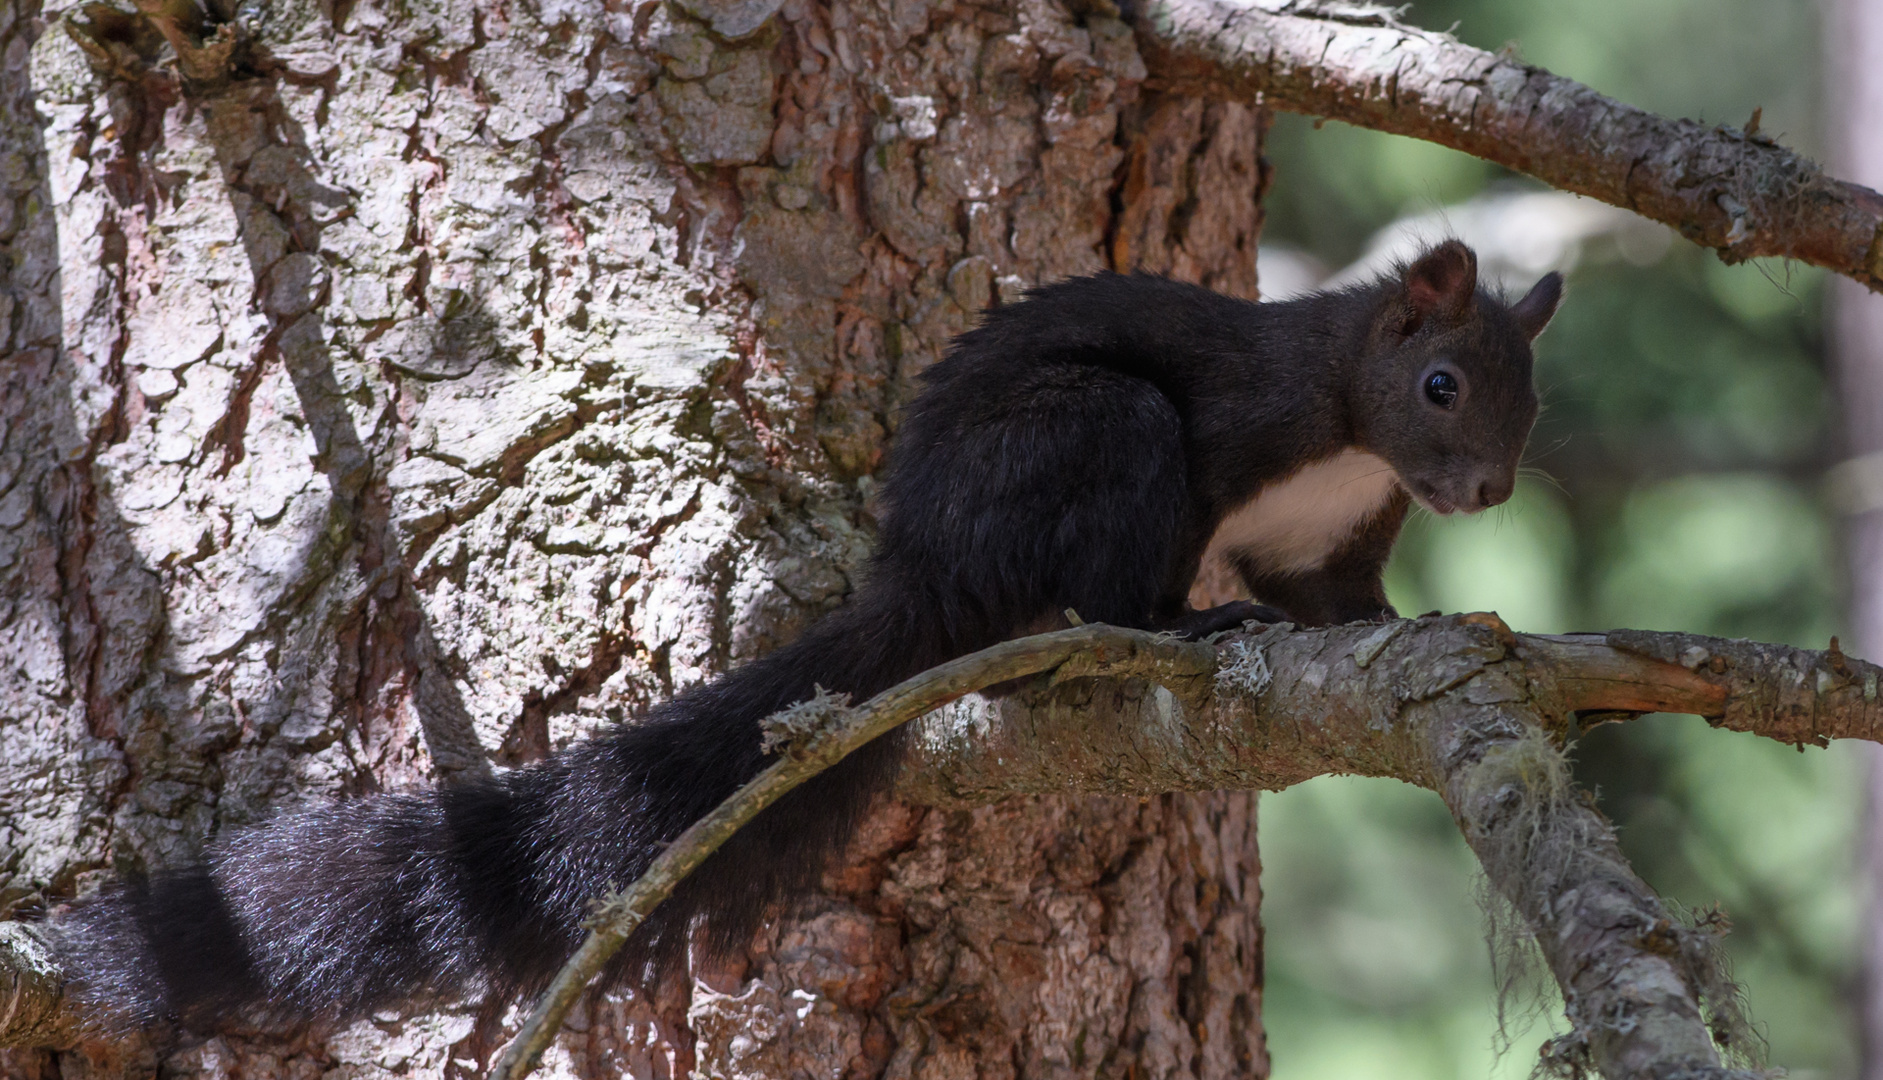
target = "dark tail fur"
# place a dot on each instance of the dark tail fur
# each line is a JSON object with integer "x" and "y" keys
{"x": 483, "y": 886}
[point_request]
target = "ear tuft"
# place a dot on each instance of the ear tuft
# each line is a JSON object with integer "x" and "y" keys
{"x": 1534, "y": 310}
{"x": 1441, "y": 284}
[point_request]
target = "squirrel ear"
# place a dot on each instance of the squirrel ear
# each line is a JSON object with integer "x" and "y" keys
{"x": 1440, "y": 283}
{"x": 1534, "y": 310}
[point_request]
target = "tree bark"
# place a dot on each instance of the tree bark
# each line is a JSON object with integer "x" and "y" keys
{"x": 443, "y": 381}
{"x": 400, "y": 391}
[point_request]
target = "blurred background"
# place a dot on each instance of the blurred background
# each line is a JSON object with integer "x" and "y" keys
{"x": 1684, "y": 481}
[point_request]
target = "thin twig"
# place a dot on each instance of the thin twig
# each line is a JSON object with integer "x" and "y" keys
{"x": 1094, "y": 649}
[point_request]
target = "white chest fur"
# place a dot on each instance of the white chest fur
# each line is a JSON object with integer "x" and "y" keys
{"x": 1295, "y": 523}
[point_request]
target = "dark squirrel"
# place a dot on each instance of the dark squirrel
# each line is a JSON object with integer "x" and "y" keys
{"x": 1083, "y": 449}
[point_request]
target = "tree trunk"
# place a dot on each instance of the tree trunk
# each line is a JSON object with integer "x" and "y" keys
{"x": 458, "y": 377}
{"x": 1854, "y": 96}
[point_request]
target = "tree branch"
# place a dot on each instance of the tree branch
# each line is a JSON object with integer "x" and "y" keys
{"x": 1737, "y": 192}
{"x": 33, "y": 1010}
{"x": 1460, "y": 705}
{"x": 1467, "y": 708}
{"x": 815, "y": 736}
{"x": 1336, "y": 701}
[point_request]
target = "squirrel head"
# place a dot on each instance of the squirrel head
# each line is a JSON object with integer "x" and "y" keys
{"x": 1444, "y": 393}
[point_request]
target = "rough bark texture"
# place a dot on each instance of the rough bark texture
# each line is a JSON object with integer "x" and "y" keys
{"x": 1291, "y": 705}
{"x": 1736, "y": 191}
{"x": 464, "y": 374}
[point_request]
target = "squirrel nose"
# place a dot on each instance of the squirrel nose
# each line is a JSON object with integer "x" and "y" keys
{"x": 1494, "y": 491}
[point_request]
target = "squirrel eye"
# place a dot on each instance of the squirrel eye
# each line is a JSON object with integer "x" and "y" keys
{"x": 1442, "y": 388}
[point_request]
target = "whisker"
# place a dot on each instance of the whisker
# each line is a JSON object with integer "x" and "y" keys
{"x": 1550, "y": 449}
{"x": 1544, "y": 475}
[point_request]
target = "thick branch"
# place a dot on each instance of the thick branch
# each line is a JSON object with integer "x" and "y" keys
{"x": 33, "y": 1011}
{"x": 1735, "y": 191}
{"x": 1335, "y": 701}
{"x": 1467, "y": 708}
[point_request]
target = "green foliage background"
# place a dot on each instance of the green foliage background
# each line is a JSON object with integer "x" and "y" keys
{"x": 1686, "y": 430}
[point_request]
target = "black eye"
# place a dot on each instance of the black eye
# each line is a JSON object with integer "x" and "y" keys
{"x": 1442, "y": 389}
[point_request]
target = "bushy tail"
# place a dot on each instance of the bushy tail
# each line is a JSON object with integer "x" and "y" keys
{"x": 483, "y": 886}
